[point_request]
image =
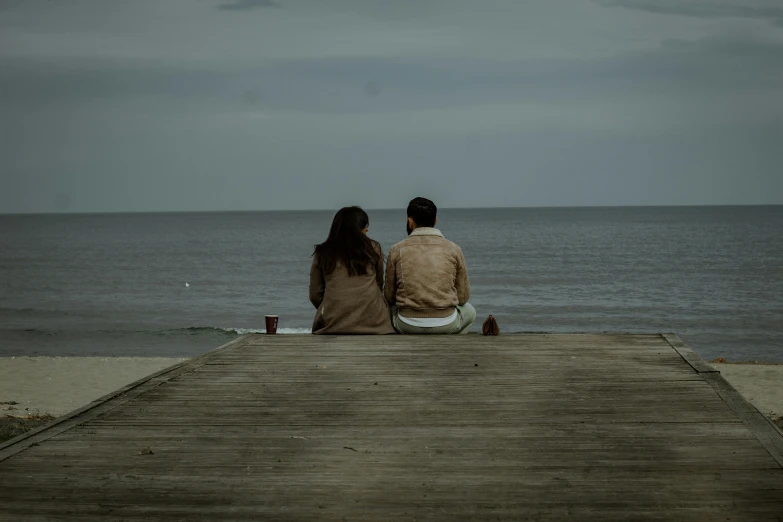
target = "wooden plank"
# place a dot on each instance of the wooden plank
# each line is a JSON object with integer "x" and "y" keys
{"x": 766, "y": 432}
{"x": 691, "y": 357}
{"x": 758, "y": 423}
{"x": 106, "y": 403}
{"x": 448, "y": 452}
{"x": 692, "y": 432}
{"x": 593, "y": 494}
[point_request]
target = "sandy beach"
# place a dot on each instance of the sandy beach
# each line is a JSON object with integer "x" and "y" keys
{"x": 58, "y": 385}
{"x": 758, "y": 383}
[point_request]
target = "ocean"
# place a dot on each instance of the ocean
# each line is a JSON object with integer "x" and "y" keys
{"x": 178, "y": 284}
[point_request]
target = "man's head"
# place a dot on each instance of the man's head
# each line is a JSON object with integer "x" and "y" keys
{"x": 421, "y": 213}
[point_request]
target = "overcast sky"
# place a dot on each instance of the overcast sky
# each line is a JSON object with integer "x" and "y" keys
{"x": 294, "y": 104}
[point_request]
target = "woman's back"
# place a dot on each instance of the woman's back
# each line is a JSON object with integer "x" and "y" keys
{"x": 346, "y": 279}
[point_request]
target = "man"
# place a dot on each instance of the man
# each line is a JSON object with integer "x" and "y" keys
{"x": 427, "y": 282}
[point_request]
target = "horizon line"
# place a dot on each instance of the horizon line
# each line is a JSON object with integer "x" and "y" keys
{"x": 381, "y": 209}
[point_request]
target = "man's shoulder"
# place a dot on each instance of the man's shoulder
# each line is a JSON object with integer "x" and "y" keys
{"x": 394, "y": 251}
{"x": 442, "y": 240}
{"x": 397, "y": 246}
{"x": 455, "y": 249}
{"x": 413, "y": 240}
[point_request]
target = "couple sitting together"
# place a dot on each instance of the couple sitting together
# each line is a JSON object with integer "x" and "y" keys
{"x": 426, "y": 287}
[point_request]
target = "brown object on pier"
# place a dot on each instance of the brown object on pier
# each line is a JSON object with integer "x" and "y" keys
{"x": 490, "y": 326}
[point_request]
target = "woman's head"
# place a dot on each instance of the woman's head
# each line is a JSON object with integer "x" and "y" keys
{"x": 348, "y": 221}
{"x": 348, "y": 243}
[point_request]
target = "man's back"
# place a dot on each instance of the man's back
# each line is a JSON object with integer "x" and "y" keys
{"x": 426, "y": 275}
{"x": 426, "y": 278}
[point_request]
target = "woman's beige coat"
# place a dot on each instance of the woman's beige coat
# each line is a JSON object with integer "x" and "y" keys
{"x": 349, "y": 304}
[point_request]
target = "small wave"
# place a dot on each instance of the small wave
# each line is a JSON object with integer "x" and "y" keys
{"x": 243, "y": 331}
{"x": 193, "y": 330}
{"x": 31, "y": 311}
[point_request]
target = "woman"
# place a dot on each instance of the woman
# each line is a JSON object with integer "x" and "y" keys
{"x": 346, "y": 279}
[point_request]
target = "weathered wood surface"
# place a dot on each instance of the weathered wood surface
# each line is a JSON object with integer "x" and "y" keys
{"x": 518, "y": 427}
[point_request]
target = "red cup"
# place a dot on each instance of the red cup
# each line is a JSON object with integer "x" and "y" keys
{"x": 271, "y": 324}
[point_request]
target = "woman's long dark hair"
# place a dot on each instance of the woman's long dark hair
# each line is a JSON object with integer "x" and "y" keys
{"x": 348, "y": 244}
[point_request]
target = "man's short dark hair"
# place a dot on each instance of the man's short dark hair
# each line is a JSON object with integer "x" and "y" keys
{"x": 423, "y": 211}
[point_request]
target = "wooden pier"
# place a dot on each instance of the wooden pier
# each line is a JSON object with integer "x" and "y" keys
{"x": 518, "y": 427}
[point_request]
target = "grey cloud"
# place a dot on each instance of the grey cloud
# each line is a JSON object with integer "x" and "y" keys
{"x": 137, "y": 128}
{"x": 245, "y": 5}
{"x": 700, "y": 9}
{"x": 363, "y": 85}
{"x": 728, "y": 46}
{"x": 26, "y": 82}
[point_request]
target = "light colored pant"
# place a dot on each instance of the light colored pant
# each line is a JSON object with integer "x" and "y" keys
{"x": 466, "y": 316}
